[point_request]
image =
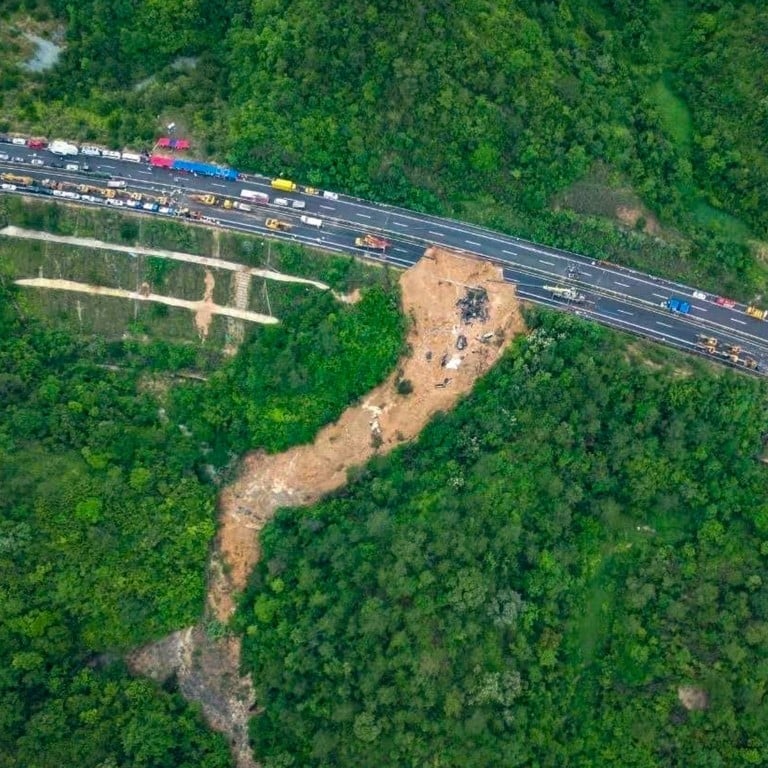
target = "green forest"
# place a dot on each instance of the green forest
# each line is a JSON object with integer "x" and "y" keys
{"x": 540, "y": 118}
{"x": 566, "y": 570}
{"x": 108, "y": 501}
{"x": 537, "y": 581}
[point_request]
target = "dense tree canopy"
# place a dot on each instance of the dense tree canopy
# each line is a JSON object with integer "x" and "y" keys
{"x": 107, "y": 506}
{"x": 534, "y": 581}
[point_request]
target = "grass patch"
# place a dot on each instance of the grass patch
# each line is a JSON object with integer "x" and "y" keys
{"x": 675, "y": 115}
{"x": 719, "y": 222}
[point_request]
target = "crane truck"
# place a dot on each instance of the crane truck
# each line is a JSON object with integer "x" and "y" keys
{"x": 371, "y": 241}
{"x": 566, "y": 293}
{"x": 22, "y": 181}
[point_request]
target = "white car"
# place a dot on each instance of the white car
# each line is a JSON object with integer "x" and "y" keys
{"x": 299, "y": 204}
{"x": 4, "y": 156}
{"x": 330, "y": 196}
{"x": 8, "y": 187}
{"x": 37, "y": 161}
{"x": 280, "y": 201}
{"x": 91, "y": 151}
{"x": 700, "y": 295}
{"x": 110, "y": 153}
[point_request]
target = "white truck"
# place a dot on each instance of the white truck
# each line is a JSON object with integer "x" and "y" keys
{"x": 312, "y": 221}
{"x": 255, "y": 197}
{"x": 63, "y": 148}
{"x": 131, "y": 157}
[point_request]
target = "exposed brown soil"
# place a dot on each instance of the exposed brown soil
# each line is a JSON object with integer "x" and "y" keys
{"x": 630, "y": 216}
{"x": 206, "y": 306}
{"x": 439, "y": 373}
{"x": 204, "y": 313}
{"x": 693, "y": 698}
{"x": 189, "y": 258}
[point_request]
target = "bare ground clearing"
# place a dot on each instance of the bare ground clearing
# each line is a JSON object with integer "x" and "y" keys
{"x": 205, "y": 261}
{"x": 447, "y": 357}
{"x": 203, "y": 309}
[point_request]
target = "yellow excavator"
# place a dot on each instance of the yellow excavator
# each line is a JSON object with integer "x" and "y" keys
{"x": 707, "y": 343}
{"x": 277, "y": 224}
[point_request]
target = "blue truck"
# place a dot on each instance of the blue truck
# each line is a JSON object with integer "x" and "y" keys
{"x": 674, "y": 304}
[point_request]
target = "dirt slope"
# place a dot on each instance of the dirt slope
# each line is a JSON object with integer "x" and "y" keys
{"x": 439, "y": 373}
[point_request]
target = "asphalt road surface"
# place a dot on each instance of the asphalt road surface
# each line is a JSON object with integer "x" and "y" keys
{"x": 614, "y": 295}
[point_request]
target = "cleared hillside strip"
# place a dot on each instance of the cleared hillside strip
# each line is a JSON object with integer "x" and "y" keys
{"x": 206, "y": 261}
{"x": 71, "y": 285}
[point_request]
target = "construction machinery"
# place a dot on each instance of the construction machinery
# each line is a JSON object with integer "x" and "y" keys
{"x": 204, "y": 199}
{"x": 236, "y": 205}
{"x": 277, "y": 224}
{"x": 707, "y": 343}
{"x": 22, "y": 181}
{"x": 371, "y": 241}
{"x": 566, "y": 293}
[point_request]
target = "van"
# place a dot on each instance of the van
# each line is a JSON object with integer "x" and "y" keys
{"x": 280, "y": 201}
{"x": 330, "y": 196}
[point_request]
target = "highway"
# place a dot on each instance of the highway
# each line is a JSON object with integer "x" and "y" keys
{"x": 615, "y": 296}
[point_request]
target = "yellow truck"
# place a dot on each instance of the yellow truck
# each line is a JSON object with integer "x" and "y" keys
{"x": 277, "y": 224}
{"x": 236, "y": 205}
{"x": 284, "y": 185}
{"x": 758, "y": 314}
{"x": 22, "y": 181}
{"x": 204, "y": 199}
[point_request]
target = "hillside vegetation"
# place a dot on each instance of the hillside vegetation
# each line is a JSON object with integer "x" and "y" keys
{"x": 109, "y": 469}
{"x": 567, "y": 570}
{"x": 481, "y": 109}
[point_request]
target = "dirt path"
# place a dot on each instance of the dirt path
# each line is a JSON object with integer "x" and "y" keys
{"x": 203, "y": 309}
{"x": 206, "y": 261}
{"x": 206, "y": 308}
{"x": 439, "y": 372}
